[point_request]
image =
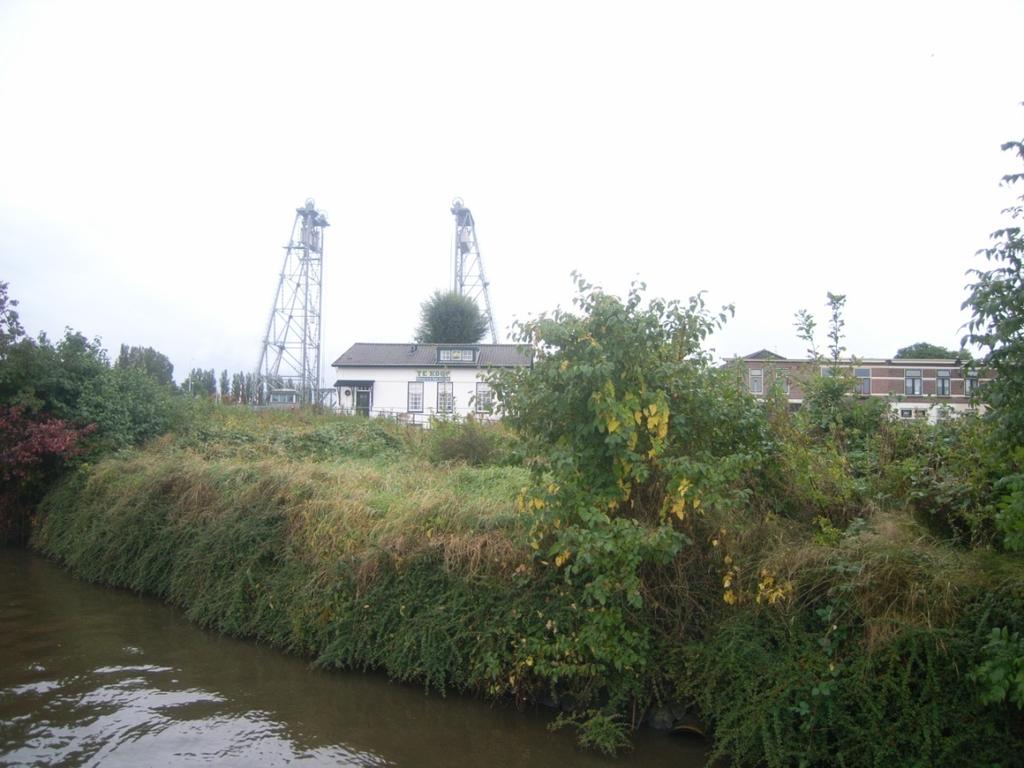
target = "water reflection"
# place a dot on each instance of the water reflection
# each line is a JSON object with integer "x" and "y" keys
{"x": 91, "y": 676}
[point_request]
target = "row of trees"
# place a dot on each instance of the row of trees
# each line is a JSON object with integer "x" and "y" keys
{"x": 64, "y": 400}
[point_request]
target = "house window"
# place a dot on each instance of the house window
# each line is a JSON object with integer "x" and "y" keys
{"x": 863, "y": 380}
{"x": 782, "y": 376}
{"x": 484, "y": 398}
{"x": 906, "y": 413}
{"x": 415, "y": 404}
{"x": 756, "y": 381}
{"x": 445, "y": 397}
{"x": 970, "y": 382}
{"x": 912, "y": 381}
{"x": 446, "y": 355}
{"x": 942, "y": 387}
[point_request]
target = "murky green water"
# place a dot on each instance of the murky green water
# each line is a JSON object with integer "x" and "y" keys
{"x": 92, "y": 676}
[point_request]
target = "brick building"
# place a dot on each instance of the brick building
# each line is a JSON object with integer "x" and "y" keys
{"x": 916, "y": 388}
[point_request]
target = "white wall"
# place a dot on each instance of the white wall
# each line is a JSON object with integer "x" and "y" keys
{"x": 390, "y": 391}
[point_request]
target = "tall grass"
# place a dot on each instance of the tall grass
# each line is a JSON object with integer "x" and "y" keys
{"x": 844, "y": 635}
{"x": 402, "y": 565}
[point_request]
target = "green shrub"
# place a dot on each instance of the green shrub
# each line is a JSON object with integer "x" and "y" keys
{"x": 949, "y": 474}
{"x": 466, "y": 441}
{"x": 1001, "y": 674}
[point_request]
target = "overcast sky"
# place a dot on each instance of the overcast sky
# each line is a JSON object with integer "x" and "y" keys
{"x": 152, "y": 156}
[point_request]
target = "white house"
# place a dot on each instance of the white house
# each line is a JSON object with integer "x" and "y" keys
{"x": 414, "y": 382}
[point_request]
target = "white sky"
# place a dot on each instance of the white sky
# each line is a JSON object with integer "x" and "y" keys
{"x": 152, "y": 156}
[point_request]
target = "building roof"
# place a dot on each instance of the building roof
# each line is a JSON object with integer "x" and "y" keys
{"x": 368, "y": 355}
{"x": 763, "y": 354}
{"x": 899, "y": 362}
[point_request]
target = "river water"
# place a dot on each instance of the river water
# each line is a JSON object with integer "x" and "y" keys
{"x": 94, "y": 676}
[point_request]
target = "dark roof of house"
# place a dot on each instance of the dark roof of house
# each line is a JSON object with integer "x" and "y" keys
{"x": 763, "y": 354}
{"x": 363, "y": 355}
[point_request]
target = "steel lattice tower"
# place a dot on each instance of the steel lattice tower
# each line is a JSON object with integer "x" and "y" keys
{"x": 290, "y": 355}
{"x": 467, "y": 264}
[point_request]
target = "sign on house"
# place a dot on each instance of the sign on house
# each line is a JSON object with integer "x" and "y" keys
{"x": 432, "y": 374}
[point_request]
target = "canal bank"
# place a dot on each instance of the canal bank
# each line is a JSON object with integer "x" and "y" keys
{"x": 848, "y": 646}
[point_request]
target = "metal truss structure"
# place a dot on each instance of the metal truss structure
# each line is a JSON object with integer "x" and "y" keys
{"x": 467, "y": 264}
{"x": 290, "y": 356}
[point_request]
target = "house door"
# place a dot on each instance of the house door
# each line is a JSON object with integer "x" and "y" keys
{"x": 363, "y": 401}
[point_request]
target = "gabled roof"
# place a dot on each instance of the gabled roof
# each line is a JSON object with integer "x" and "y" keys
{"x": 368, "y": 355}
{"x": 763, "y": 354}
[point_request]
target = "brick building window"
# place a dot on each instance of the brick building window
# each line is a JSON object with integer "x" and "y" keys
{"x": 756, "y": 381}
{"x": 912, "y": 382}
{"x": 942, "y": 387}
{"x": 970, "y": 382}
{"x": 863, "y": 381}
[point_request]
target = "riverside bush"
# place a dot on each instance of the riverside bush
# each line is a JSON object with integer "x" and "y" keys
{"x": 470, "y": 441}
{"x": 950, "y": 474}
{"x": 632, "y": 433}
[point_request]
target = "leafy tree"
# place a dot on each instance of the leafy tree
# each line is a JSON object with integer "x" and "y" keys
{"x": 225, "y": 386}
{"x": 201, "y": 382}
{"x": 827, "y": 408}
{"x": 450, "y": 318}
{"x": 633, "y": 433}
{"x": 805, "y": 325}
{"x": 997, "y": 324}
{"x": 10, "y": 327}
{"x": 922, "y": 350}
{"x": 996, "y": 301}
{"x": 33, "y": 452}
{"x": 153, "y": 363}
{"x": 836, "y": 323}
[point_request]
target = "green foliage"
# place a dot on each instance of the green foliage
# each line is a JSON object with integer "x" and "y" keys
{"x": 147, "y": 360}
{"x": 1001, "y": 675}
{"x": 200, "y": 383}
{"x": 450, "y": 318}
{"x": 836, "y": 323}
{"x": 949, "y": 474}
{"x": 216, "y": 431}
{"x": 1010, "y": 517}
{"x": 630, "y": 430}
{"x": 470, "y": 441}
{"x": 997, "y": 321}
{"x": 10, "y": 326}
{"x": 608, "y": 733}
{"x": 829, "y": 407}
{"x": 805, "y": 325}
{"x": 997, "y": 324}
{"x": 784, "y": 693}
{"x": 405, "y": 567}
{"x": 809, "y": 479}
{"x": 841, "y": 640}
{"x": 922, "y": 350}
{"x": 73, "y": 381}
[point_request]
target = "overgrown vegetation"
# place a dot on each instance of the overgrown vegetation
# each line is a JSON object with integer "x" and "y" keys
{"x": 816, "y": 592}
{"x": 825, "y": 587}
{"x": 62, "y": 402}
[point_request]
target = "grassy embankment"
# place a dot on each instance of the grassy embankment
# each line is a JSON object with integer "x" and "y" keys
{"x": 340, "y": 540}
